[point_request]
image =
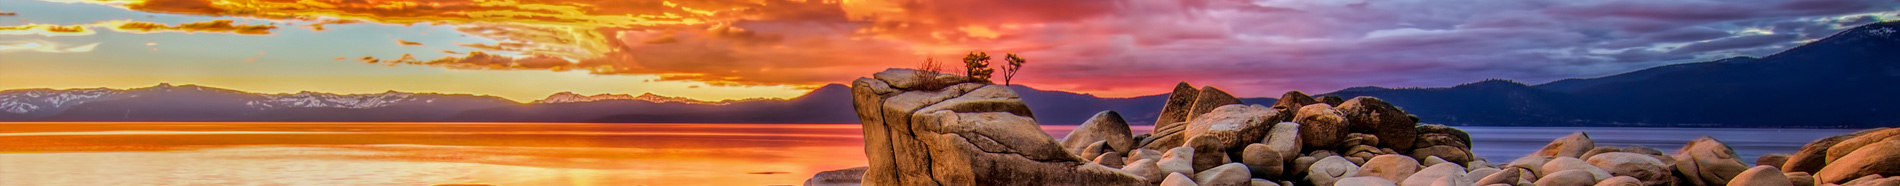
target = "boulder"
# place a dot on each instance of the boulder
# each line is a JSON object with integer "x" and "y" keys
{"x": 1862, "y": 180}
{"x": 1232, "y": 125}
{"x": 1455, "y": 180}
{"x": 1870, "y": 180}
{"x": 1141, "y": 154}
{"x": 1389, "y": 167}
{"x": 1264, "y": 161}
{"x": 1433, "y": 160}
{"x": 1479, "y": 163}
{"x": 1232, "y": 174}
{"x": 1444, "y": 142}
{"x": 1373, "y": 116}
{"x": 1177, "y": 179}
{"x": 1330, "y": 99}
{"x": 1179, "y": 104}
{"x": 1104, "y": 126}
{"x": 1179, "y": 159}
{"x": 1456, "y": 154}
{"x": 1299, "y": 165}
{"x": 1166, "y": 137}
{"x": 1363, "y": 152}
{"x": 1620, "y": 181}
{"x": 1284, "y": 137}
{"x": 1146, "y": 169}
{"x": 1761, "y": 175}
{"x": 1329, "y": 170}
{"x": 1210, "y": 98}
{"x": 1435, "y": 134}
{"x": 1572, "y": 146}
{"x": 1773, "y": 159}
{"x": 1093, "y": 149}
{"x": 1533, "y": 163}
{"x": 1262, "y": 182}
{"x": 1293, "y": 100}
{"x": 1321, "y": 126}
{"x": 1480, "y": 173}
{"x": 1871, "y": 159}
{"x": 1426, "y": 177}
{"x": 1800, "y": 178}
{"x": 1706, "y": 161}
{"x": 1568, "y": 163}
{"x": 1357, "y": 139}
{"x": 1667, "y": 160}
{"x": 1640, "y": 166}
{"x": 1813, "y": 156}
{"x": 1365, "y": 181}
{"x": 1208, "y": 152}
{"x": 841, "y": 177}
{"x": 1508, "y": 176}
{"x": 1110, "y": 159}
{"x": 1567, "y": 178}
{"x": 1855, "y": 143}
{"x": 967, "y": 132}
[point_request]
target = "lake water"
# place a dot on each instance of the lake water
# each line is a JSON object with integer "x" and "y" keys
{"x": 564, "y": 154}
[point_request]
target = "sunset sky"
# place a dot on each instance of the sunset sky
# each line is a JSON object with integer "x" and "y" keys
{"x": 731, "y": 49}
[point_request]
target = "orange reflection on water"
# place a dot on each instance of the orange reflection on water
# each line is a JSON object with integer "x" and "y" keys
{"x": 422, "y": 153}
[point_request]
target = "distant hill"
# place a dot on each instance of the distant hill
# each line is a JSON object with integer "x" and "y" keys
{"x": 1849, "y": 80}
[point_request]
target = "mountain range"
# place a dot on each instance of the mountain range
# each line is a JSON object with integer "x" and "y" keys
{"x": 1848, "y": 80}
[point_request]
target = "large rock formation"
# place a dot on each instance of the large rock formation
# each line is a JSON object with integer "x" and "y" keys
{"x": 927, "y": 128}
{"x": 1104, "y": 126}
{"x": 1373, "y": 116}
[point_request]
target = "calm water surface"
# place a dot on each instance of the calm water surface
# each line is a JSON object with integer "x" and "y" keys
{"x": 562, "y": 154}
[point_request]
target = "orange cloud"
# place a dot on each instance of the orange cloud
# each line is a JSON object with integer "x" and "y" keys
{"x": 408, "y": 43}
{"x": 762, "y": 42}
{"x": 8, "y": 14}
{"x": 128, "y": 26}
{"x": 208, "y": 26}
{"x": 46, "y": 30}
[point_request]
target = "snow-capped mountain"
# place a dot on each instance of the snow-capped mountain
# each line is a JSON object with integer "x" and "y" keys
{"x": 308, "y": 99}
{"x": 37, "y": 101}
{"x": 40, "y": 102}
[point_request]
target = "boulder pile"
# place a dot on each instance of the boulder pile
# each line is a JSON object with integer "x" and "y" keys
{"x": 928, "y": 128}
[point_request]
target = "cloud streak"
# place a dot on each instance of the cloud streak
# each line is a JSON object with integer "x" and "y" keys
{"x": 42, "y": 46}
{"x": 137, "y": 27}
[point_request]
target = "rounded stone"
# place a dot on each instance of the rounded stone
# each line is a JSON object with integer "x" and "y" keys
{"x": 1567, "y": 178}
{"x": 1389, "y": 167}
{"x": 1762, "y": 175}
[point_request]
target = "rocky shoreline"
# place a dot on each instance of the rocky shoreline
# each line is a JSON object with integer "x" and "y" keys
{"x": 927, "y": 128}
